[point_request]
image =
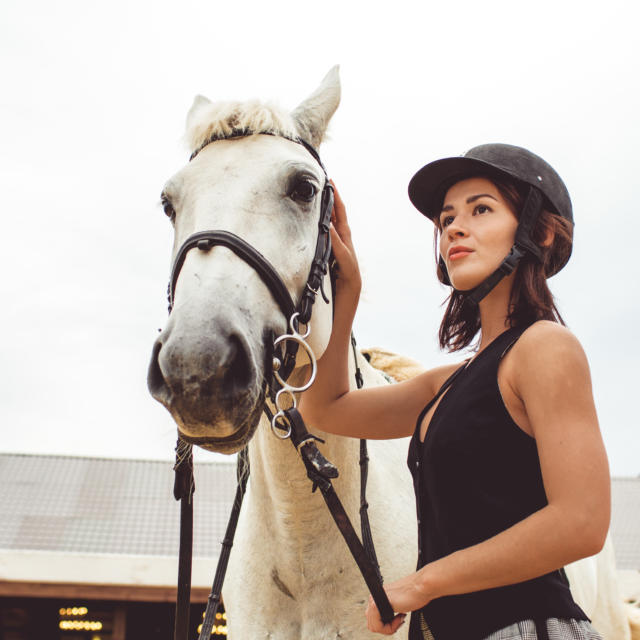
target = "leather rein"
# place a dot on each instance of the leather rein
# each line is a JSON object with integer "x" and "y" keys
{"x": 286, "y": 423}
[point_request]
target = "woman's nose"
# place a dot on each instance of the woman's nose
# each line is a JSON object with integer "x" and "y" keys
{"x": 456, "y": 230}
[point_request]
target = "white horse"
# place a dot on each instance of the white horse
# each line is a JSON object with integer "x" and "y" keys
{"x": 290, "y": 575}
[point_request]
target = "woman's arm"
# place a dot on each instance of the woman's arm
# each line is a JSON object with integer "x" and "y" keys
{"x": 388, "y": 411}
{"x": 551, "y": 376}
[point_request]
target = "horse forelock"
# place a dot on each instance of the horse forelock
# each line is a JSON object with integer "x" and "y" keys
{"x": 224, "y": 119}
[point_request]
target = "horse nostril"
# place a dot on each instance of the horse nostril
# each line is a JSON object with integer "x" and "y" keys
{"x": 155, "y": 380}
{"x": 239, "y": 374}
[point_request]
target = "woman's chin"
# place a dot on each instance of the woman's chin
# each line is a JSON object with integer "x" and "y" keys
{"x": 464, "y": 283}
{"x": 466, "y": 278}
{"x": 468, "y": 282}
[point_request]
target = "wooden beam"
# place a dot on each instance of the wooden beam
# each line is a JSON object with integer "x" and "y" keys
{"x": 125, "y": 593}
{"x": 119, "y": 623}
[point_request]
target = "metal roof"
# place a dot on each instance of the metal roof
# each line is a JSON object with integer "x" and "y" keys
{"x": 94, "y": 505}
{"x": 126, "y": 507}
{"x": 625, "y": 521}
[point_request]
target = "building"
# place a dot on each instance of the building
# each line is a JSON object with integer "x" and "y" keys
{"x": 88, "y": 546}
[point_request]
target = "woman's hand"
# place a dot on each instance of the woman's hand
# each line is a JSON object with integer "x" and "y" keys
{"x": 348, "y": 272}
{"x": 406, "y": 594}
{"x": 374, "y": 623}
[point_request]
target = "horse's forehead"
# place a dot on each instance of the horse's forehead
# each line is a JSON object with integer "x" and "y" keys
{"x": 238, "y": 185}
{"x": 245, "y": 160}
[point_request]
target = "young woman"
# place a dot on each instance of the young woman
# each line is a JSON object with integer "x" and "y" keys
{"x": 509, "y": 468}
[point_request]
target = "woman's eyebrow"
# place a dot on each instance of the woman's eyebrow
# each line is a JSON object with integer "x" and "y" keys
{"x": 470, "y": 199}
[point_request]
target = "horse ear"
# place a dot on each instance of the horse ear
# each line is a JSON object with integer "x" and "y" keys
{"x": 312, "y": 116}
{"x": 199, "y": 103}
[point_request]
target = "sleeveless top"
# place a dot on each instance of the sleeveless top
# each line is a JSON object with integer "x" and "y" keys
{"x": 476, "y": 474}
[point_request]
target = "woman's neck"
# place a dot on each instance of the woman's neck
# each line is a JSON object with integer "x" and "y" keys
{"x": 494, "y": 310}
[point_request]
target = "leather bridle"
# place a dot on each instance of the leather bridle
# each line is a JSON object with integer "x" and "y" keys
{"x": 205, "y": 240}
{"x": 319, "y": 470}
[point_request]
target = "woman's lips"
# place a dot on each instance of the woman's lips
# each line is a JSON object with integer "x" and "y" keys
{"x": 455, "y": 253}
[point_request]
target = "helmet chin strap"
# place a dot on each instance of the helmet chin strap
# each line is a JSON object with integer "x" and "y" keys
{"x": 522, "y": 246}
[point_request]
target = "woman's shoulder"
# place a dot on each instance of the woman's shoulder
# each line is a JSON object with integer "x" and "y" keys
{"x": 545, "y": 336}
{"x": 546, "y": 347}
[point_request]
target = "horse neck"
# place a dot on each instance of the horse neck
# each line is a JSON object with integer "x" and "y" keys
{"x": 279, "y": 483}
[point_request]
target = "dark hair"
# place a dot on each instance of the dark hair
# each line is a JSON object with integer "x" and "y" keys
{"x": 530, "y": 298}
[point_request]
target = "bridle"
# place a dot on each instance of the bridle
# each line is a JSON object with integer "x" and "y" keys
{"x": 286, "y": 423}
{"x": 205, "y": 240}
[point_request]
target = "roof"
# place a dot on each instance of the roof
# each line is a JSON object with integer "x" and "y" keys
{"x": 108, "y": 506}
{"x": 126, "y": 507}
{"x": 625, "y": 521}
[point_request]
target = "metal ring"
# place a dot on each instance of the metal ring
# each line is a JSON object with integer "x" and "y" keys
{"x": 276, "y": 430}
{"x": 295, "y": 331}
{"x": 294, "y": 403}
{"x": 312, "y": 358}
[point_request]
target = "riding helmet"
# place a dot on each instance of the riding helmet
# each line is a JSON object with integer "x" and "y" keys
{"x": 428, "y": 186}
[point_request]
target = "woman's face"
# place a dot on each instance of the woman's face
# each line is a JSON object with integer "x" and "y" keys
{"x": 478, "y": 228}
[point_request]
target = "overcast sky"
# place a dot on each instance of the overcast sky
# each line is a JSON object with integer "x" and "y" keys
{"x": 92, "y": 106}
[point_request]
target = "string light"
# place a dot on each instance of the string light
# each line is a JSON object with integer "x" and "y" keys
{"x": 220, "y": 630}
{"x": 80, "y": 625}
{"x": 73, "y": 611}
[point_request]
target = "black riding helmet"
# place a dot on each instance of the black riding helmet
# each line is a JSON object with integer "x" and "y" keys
{"x": 546, "y": 190}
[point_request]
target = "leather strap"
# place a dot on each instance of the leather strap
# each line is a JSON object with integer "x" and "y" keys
{"x": 320, "y": 471}
{"x": 365, "y": 526}
{"x": 213, "y": 601}
{"x": 183, "y": 489}
{"x": 204, "y": 240}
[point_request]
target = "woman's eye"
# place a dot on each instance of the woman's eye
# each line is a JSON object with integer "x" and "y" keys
{"x": 446, "y": 221}
{"x": 482, "y": 208}
{"x": 304, "y": 191}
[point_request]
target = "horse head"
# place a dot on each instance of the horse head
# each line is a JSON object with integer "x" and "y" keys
{"x": 211, "y": 363}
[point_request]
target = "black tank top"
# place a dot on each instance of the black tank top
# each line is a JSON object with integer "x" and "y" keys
{"x": 476, "y": 474}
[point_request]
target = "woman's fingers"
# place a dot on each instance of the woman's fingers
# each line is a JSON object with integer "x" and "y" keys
{"x": 349, "y": 273}
{"x": 375, "y": 624}
{"x": 339, "y": 217}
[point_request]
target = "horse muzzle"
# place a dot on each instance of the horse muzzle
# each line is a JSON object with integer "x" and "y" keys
{"x": 211, "y": 386}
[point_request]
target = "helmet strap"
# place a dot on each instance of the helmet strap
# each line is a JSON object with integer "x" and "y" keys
{"x": 523, "y": 245}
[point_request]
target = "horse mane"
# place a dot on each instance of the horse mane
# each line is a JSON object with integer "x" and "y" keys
{"x": 215, "y": 120}
{"x": 391, "y": 364}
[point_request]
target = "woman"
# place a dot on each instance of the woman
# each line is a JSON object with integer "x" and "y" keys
{"x": 509, "y": 468}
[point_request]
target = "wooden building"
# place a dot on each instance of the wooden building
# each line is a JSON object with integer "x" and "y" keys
{"x": 88, "y": 547}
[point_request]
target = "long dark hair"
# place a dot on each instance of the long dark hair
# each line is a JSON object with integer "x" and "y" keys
{"x": 530, "y": 298}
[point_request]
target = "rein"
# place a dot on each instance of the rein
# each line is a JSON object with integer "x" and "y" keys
{"x": 286, "y": 423}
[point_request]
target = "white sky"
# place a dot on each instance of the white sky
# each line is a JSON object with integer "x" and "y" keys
{"x": 92, "y": 104}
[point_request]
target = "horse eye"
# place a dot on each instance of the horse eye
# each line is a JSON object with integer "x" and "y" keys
{"x": 168, "y": 209}
{"x": 304, "y": 190}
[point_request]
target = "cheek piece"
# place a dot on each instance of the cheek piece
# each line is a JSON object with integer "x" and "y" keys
{"x": 522, "y": 246}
